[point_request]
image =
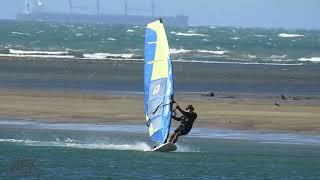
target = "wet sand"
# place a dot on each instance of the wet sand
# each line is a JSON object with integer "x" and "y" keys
{"x": 222, "y": 111}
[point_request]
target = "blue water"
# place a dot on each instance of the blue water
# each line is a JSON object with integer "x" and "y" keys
{"x": 82, "y": 151}
{"x": 231, "y": 45}
{"x": 44, "y": 55}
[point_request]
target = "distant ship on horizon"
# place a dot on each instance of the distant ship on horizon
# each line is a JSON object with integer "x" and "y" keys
{"x": 34, "y": 12}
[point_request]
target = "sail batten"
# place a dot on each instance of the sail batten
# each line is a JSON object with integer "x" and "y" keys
{"x": 158, "y": 82}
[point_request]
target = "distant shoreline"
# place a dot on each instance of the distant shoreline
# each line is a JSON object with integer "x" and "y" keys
{"x": 241, "y": 112}
{"x": 106, "y": 60}
{"x": 130, "y": 60}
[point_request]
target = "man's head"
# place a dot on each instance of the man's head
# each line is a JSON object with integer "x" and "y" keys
{"x": 190, "y": 108}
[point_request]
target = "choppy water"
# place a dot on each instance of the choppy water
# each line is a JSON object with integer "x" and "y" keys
{"x": 71, "y": 151}
{"x": 192, "y": 44}
{"x": 227, "y": 59}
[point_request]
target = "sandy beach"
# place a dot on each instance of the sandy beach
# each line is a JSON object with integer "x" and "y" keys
{"x": 227, "y": 112}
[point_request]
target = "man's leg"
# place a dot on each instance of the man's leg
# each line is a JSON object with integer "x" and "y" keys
{"x": 175, "y": 139}
{"x": 172, "y": 136}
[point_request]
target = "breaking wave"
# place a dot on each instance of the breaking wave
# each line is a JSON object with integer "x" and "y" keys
{"x": 235, "y": 38}
{"x": 111, "y": 39}
{"x": 212, "y": 52}
{"x": 241, "y": 63}
{"x": 20, "y": 33}
{"x": 79, "y": 34}
{"x": 312, "y": 59}
{"x": 106, "y": 55}
{"x": 130, "y": 30}
{"x": 183, "y": 51}
{"x": 187, "y": 34}
{"x": 259, "y": 35}
{"x": 38, "y": 56}
{"x": 286, "y": 35}
{"x": 14, "y": 51}
{"x": 179, "y": 51}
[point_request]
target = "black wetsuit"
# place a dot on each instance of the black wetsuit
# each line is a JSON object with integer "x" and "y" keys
{"x": 187, "y": 120}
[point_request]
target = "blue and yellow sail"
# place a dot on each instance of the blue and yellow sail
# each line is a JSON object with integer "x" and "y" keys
{"x": 158, "y": 82}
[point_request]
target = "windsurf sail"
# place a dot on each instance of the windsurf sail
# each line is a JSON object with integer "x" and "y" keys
{"x": 158, "y": 82}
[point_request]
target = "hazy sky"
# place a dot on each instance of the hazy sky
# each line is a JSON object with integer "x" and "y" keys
{"x": 247, "y": 13}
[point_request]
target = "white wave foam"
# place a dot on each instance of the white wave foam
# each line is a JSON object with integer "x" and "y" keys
{"x": 139, "y": 146}
{"x": 106, "y": 55}
{"x": 79, "y": 34}
{"x": 41, "y": 31}
{"x": 278, "y": 57}
{"x": 80, "y": 27}
{"x": 27, "y": 141}
{"x": 259, "y": 35}
{"x": 213, "y": 52}
{"x": 14, "y": 51}
{"x": 130, "y": 30}
{"x": 252, "y": 56}
{"x": 312, "y": 59}
{"x": 190, "y": 34}
{"x": 235, "y": 38}
{"x": 187, "y": 34}
{"x": 71, "y": 143}
{"x": 212, "y": 27}
{"x": 38, "y": 56}
{"x": 111, "y": 39}
{"x": 20, "y": 33}
{"x": 179, "y": 51}
{"x": 206, "y": 40}
{"x": 286, "y": 35}
{"x": 133, "y": 50}
{"x": 68, "y": 142}
{"x": 233, "y": 62}
{"x": 119, "y": 58}
{"x": 186, "y": 148}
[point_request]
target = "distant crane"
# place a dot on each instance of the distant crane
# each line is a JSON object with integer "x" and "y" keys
{"x": 153, "y": 8}
{"x": 98, "y": 7}
{"x": 72, "y": 7}
{"x": 126, "y": 8}
{"x": 91, "y": 11}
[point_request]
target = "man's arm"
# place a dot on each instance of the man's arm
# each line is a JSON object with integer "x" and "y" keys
{"x": 182, "y": 111}
{"x": 176, "y": 118}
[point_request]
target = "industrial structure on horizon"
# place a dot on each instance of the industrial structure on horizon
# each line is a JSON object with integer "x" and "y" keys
{"x": 34, "y": 11}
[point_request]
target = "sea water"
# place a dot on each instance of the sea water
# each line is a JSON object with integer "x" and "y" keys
{"x": 230, "y": 45}
{"x": 110, "y": 58}
{"x": 84, "y": 151}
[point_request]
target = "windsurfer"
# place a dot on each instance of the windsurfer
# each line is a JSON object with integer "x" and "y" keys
{"x": 187, "y": 119}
